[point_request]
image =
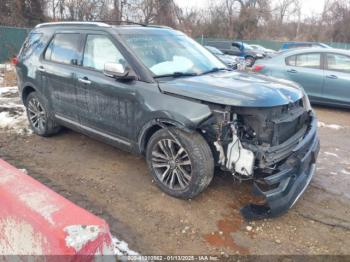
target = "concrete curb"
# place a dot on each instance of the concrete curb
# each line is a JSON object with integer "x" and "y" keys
{"x": 34, "y": 220}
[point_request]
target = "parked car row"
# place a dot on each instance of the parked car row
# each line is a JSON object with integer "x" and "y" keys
{"x": 253, "y": 52}
{"x": 324, "y": 73}
{"x": 239, "y": 49}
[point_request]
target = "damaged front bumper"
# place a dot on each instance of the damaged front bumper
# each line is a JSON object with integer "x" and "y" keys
{"x": 283, "y": 188}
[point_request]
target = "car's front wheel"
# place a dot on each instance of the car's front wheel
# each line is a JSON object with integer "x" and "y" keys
{"x": 39, "y": 117}
{"x": 181, "y": 163}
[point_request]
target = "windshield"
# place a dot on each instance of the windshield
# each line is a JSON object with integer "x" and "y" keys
{"x": 172, "y": 54}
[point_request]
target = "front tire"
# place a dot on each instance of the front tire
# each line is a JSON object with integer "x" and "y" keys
{"x": 181, "y": 163}
{"x": 40, "y": 119}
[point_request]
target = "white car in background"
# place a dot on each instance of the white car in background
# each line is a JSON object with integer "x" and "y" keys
{"x": 267, "y": 51}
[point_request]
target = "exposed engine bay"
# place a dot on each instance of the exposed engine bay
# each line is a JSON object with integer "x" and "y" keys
{"x": 263, "y": 143}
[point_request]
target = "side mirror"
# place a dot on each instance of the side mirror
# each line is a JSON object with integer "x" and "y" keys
{"x": 118, "y": 71}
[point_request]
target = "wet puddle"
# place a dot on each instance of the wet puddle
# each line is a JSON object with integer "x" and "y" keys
{"x": 223, "y": 238}
{"x": 228, "y": 225}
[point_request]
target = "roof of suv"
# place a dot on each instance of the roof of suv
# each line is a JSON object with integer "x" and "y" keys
{"x": 123, "y": 29}
{"x": 93, "y": 24}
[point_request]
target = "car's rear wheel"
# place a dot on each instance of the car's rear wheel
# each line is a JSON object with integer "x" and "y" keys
{"x": 181, "y": 163}
{"x": 39, "y": 117}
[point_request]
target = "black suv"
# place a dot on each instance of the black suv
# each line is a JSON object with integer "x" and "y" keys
{"x": 154, "y": 91}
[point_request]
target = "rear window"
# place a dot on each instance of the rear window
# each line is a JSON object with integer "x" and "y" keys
{"x": 64, "y": 48}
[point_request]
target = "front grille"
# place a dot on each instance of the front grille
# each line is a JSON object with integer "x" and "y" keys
{"x": 274, "y": 126}
{"x": 286, "y": 130}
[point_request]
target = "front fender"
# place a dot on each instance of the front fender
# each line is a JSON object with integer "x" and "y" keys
{"x": 154, "y": 125}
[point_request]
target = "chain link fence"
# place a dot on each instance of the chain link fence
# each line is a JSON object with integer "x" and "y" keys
{"x": 11, "y": 40}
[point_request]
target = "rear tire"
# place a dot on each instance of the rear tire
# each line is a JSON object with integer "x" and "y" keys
{"x": 181, "y": 163}
{"x": 39, "y": 117}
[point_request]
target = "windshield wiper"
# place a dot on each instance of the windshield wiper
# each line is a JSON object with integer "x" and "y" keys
{"x": 177, "y": 74}
{"x": 215, "y": 69}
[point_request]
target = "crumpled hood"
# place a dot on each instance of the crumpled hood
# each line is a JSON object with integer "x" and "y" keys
{"x": 235, "y": 89}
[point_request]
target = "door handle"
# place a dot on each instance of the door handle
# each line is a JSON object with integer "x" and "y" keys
{"x": 293, "y": 71}
{"x": 84, "y": 80}
{"x": 332, "y": 77}
{"x": 41, "y": 69}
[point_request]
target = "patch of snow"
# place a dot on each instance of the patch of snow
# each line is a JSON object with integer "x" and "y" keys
{"x": 121, "y": 248}
{"x": 8, "y": 89}
{"x": 14, "y": 123}
{"x": 345, "y": 172}
{"x": 331, "y": 154}
{"x": 12, "y": 113}
{"x": 7, "y": 67}
{"x": 331, "y": 126}
{"x": 23, "y": 170}
{"x": 78, "y": 235}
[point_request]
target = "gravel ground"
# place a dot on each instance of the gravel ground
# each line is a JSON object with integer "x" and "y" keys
{"x": 117, "y": 186}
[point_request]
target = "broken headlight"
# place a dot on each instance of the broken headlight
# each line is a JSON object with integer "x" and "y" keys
{"x": 232, "y": 156}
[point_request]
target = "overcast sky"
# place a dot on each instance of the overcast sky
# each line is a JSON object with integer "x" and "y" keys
{"x": 309, "y": 6}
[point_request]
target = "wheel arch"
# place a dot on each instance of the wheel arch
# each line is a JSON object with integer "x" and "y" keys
{"x": 27, "y": 89}
{"x": 153, "y": 126}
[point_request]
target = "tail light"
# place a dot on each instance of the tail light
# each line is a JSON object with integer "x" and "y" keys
{"x": 258, "y": 68}
{"x": 15, "y": 61}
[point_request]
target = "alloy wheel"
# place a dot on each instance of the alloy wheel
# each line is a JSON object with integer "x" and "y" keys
{"x": 37, "y": 114}
{"x": 172, "y": 164}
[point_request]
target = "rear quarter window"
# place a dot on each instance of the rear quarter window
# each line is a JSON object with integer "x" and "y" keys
{"x": 32, "y": 43}
{"x": 290, "y": 61}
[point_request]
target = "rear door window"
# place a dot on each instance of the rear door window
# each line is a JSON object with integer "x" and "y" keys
{"x": 338, "y": 62}
{"x": 64, "y": 48}
{"x": 310, "y": 60}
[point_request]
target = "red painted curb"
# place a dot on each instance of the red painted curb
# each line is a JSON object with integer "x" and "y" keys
{"x": 34, "y": 220}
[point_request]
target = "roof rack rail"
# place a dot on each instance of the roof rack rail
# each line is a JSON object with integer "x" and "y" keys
{"x": 97, "y": 24}
{"x": 121, "y": 22}
{"x": 104, "y": 23}
{"x": 131, "y": 23}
